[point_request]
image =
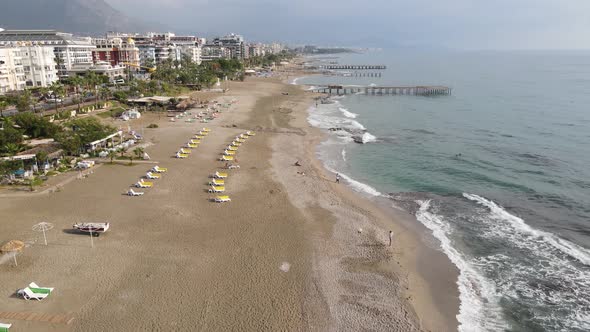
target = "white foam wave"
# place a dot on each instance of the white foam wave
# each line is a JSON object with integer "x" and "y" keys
{"x": 368, "y": 138}
{"x": 356, "y": 185}
{"x": 479, "y": 308}
{"x": 294, "y": 81}
{"x": 347, "y": 113}
{"x": 344, "y": 154}
{"x": 569, "y": 248}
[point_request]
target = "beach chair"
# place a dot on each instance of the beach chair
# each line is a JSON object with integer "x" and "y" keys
{"x": 152, "y": 176}
{"x": 181, "y": 155}
{"x": 216, "y": 182}
{"x": 142, "y": 184}
{"x": 134, "y": 193}
{"x": 216, "y": 189}
{"x": 34, "y": 292}
{"x": 229, "y": 152}
{"x": 191, "y": 145}
{"x": 219, "y": 175}
{"x": 184, "y": 151}
{"x": 159, "y": 169}
{"x": 199, "y": 137}
{"x": 194, "y": 141}
{"x": 234, "y": 143}
{"x": 226, "y": 158}
{"x": 38, "y": 289}
{"x": 250, "y": 133}
{"x": 232, "y": 148}
{"x": 222, "y": 199}
{"x": 4, "y": 327}
{"x": 233, "y": 166}
{"x": 207, "y": 130}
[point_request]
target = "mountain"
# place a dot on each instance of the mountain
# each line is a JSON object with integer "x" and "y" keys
{"x": 90, "y": 17}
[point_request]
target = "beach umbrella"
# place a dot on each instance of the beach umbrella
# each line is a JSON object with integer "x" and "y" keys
{"x": 13, "y": 247}
{"x": 43, "y": 227}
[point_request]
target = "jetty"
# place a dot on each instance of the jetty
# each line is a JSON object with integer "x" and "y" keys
{"x": 420, "y": 90}
{"x": 348, "y": 67}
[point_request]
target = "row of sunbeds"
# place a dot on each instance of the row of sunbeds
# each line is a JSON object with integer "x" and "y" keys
{"x": 193, "y": 143}
{"x": 154, "y": 173}
{"x": 217, "y": 183}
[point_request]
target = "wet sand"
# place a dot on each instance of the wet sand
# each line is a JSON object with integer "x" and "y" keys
{"x": 285, "y": 254}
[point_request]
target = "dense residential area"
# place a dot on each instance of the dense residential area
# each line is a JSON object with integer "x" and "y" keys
{"x": 51, "y": 81}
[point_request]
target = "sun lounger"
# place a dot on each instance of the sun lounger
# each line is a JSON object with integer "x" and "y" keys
{"x": 141, "y": 184}
{"x": 206, "y": 130}
{"x": 216, "y": 189}
{"x": 233, "y": 166}
{"x": 232, "y": 148}
{"x": 159, "y": 169}
{"x": 222, "y": 199}
{"x": 191, "y": 145}
{"x": 216, "y": 182}
{"x": 181, "y": 155}
{"x": 134, "y": 193}
{"x": 4, "y": 327}
{"x": 226, "y": 158}
{"x": 250, "y": 133}
{"x": 229, "y": 152}
{"x": 199, "y": 137}
{"x": 38, "y": 289}
{"x": 219, "y": 175}
{"x": 234, "y": 143}
{"x": 184, "y": 151}
{"x": 38, "y": 294}
{"x": 152, "y": 176}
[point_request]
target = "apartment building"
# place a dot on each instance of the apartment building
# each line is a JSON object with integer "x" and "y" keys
{"x": 116, "y": 50}
{"x": 12, "y": 76}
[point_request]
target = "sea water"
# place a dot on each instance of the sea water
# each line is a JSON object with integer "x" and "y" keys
{"x": 499, "y": 172}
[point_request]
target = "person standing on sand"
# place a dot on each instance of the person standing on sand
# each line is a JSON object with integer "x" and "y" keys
{"x": 390, "y": 238}
{"x": 337, "y": 178}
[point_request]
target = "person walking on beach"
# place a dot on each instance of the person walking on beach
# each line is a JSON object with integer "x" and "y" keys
{"x": 337, "y": 178}
{"x": 390, "y": 238}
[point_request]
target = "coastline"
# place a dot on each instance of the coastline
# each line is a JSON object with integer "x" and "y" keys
{"x": 414, "y": 264}
{"x": 285, "y": 254}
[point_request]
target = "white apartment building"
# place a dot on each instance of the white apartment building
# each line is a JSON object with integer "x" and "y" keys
{"x": 39, "y": 65}
{"x": 12, "y": 76}
{"x": 68, "y": 49}
{"x": 193, "y": 52}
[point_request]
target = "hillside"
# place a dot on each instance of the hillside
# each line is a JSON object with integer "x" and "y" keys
{"x": 78, "y": 16}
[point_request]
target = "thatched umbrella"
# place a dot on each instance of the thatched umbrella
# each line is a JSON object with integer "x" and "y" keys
{"x": 12, "y": 246}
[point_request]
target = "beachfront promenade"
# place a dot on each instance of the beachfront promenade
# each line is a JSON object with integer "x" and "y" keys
{"x": 421, "y": 90}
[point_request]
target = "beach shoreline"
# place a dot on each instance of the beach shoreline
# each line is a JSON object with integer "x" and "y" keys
{"x": 285, "y": 254}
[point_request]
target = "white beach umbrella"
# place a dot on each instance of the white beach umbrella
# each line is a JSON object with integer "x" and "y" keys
{"x": 43, "y": 227}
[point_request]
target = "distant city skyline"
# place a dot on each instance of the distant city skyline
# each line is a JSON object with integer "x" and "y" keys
{"x": 458, "y": 24}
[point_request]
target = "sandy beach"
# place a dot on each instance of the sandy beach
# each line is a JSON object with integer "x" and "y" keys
{"x": 285, "y": 254}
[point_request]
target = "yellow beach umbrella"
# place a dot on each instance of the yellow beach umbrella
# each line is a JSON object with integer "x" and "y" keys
{"x": 12, "y": 247}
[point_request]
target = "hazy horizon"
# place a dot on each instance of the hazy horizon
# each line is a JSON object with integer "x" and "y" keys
{"x": 453, "y": 24}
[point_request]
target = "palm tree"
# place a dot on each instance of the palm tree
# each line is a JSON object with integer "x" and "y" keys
{"x": 12, "y": 148}
{"x": 137, "y": 152}
{"x": 121, "y": 151}
{"x": 58, "y": 91}
{"x": 112, "y": 154}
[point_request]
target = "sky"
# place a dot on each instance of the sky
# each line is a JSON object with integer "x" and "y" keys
{"x": 450, "y": 24}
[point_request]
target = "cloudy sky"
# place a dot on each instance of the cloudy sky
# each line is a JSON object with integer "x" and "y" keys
{"x": 462, "y": 24}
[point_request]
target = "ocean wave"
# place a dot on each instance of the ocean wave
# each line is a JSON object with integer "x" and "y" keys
{"x": 343, "y": 154}
{"x": 536, "y": 270}
{"x": 347, "y": 113}
{"x": 356, "y": 185}
{"x": 368, "y": 138}
{"x": 569, "y": 248}
{"x": 294, "y": 81}
{"x": 479, "y": 302}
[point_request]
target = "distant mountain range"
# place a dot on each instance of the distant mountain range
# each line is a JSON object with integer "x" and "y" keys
{"x": 88, "y": 17}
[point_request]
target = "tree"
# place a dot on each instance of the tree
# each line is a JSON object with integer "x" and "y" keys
{"x": 23, "y": 101}
{"x": 112, "y": 154}
{"x": 122, "y": 151}
{"x": 58, "y": 91}
{"x": 138, "y": 152}
{"x": 3, "y": 106}
{"x": 35, "y": 126}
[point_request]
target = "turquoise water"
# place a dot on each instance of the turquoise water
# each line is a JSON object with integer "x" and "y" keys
{"x": 498, "y": 171}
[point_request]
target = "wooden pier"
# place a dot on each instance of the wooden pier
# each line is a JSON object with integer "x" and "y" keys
{"x": 421, "y": 90}
{"x": 348, "y": 67}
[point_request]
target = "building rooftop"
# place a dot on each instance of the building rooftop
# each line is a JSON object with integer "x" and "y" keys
{"x": 48, "y": 37}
